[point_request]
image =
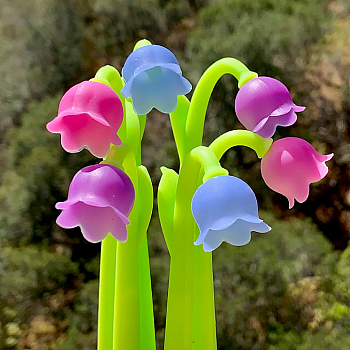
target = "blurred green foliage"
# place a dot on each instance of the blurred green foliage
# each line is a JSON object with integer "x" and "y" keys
{"x": 281, "y": 291}
{"x": 35, "y": 178}
{"x": 286, "y": 290}
{"x": 267, "y": 35}
{"x": 34, "y": 295}
{"x": 272, "y": 37}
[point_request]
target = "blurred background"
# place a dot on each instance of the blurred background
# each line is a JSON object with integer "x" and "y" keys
{"x": 287, "y": 290}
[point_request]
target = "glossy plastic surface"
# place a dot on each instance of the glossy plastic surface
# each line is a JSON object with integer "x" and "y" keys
{"x": 89, "y": 115}
{"x": 100, "y": 198}
{"x": 263, "y": 103}
{"x": 153, "y": 79}
{"x": 225, "y": 209}
{"x": 291, "y": 165}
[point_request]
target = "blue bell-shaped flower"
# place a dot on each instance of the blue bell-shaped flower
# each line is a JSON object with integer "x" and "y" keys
{"x": 225, "y": 209}
{"x": 153, "y": 79}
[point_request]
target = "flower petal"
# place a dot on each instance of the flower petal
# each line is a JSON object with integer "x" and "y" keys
{"x": 81, "y": 130}
{"x": 298, "y": 108}
{"x": 95, "y": 222}
{"x": 126, "y": 90}
{"x": 67, "y": 219}
{"x": 260, "y": 125}
{"x": 150, "y": 56}
{"x": 321, "y": 167}
{"x": 267, "y": 127}
{"x": 290, "y": 166}
{"x": 238, "y": 234}
{"x": 212, "y": 241}
{"x": 73, "y": 114}
{"x": 286, "y": 119}
{"x": 158, "y": 88}
{"x": 264, "y": 103}
{"x": 171, "y": 66}
{"x": 225, "y": 209}
{"x": 54, "y": 126}
{"x": 118, "y": 230}
{"x": 281, "y": 110}
{"x": 101, "y": 185}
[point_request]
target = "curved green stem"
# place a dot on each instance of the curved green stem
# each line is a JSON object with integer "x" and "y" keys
{"x": 203, "y": 308}
{"x": 240, "y": 138}
{"x": 188, "y": 124}
{"x": 178, "y": 334}
{"x": 116, "y": 155}
{"x": 202, "y": 93}
{"x": 141, "y": 43}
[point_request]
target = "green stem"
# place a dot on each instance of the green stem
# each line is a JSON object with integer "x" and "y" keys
{"x": 106, "y": 298}
{"x": 178, "y": 124}
{"x": 203, "y": 309}
{"x": 133, "y": 325}
{"x": 188, "y": 124}
{"x": 240, "y": 138}
{"x": 178, "y": 334}
{"x": 145, "y": 192}
{"x": 204, "y": 328}
{"x": 148, "y": 340}
{"x": 142, "y": 121}
{"x": 202, "y": 93}
{"x": 110, "y": 76}
{"x": 127, "y": 287}
{"x": 166, "y": 203}
{"x": 134, "y": 320}
{"x": 147, "y": 331}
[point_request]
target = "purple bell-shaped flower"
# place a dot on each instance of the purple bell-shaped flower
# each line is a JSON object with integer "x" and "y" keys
{"x": 100, "y": 199}
{"x": 225, "y": 209}
{"x": 263, "y": 103}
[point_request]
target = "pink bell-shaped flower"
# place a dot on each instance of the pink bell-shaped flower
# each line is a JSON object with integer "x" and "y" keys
{"x": 291, "y": 165}
{"x": 89, "y": 115}
{"x": 100, "y": 199}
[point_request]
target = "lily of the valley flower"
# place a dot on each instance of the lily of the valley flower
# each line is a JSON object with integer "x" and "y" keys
{"x": 225, "y": 209}
{"x": 100, "y": 198}
{"x": 153, "y": 79}
{"x": 89, "y": 115}
{"x": 291, "y": 165}
{"x": 263, "y": 103}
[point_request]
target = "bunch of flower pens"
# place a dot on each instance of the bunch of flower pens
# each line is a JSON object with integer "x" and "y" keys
{"x": 199, "y": 207}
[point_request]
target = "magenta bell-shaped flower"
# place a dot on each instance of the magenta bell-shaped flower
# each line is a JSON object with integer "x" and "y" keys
{"x": 225, "y": 209}
{"x": 291, "y": 165}
{"x": 100, "y": 199}
{"x": 89, "y": 115}
{"x": 263, "y": 103}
